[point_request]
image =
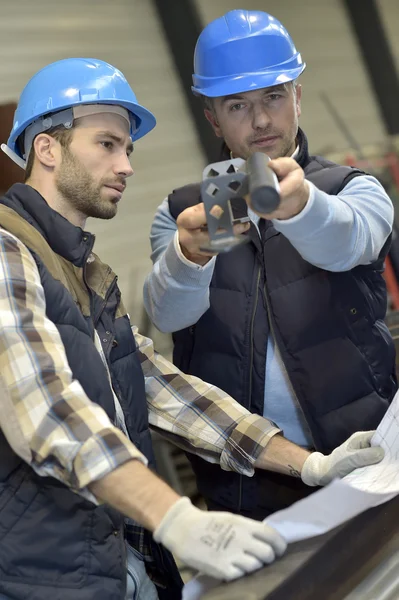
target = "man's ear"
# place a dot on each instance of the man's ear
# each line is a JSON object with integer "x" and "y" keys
{"x": 211, "y": 117}
{"x": 47, "y": 150}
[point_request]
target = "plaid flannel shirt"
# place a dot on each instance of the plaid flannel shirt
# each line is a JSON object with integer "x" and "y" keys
{"x": 50, "y": 423}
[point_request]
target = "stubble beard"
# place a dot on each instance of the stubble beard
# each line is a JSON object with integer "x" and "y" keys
{"x": 78, "y": 187}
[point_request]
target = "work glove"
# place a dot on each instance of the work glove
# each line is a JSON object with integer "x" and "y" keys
{"x": 219, "y": 544}
{"x": 354, "y": 453}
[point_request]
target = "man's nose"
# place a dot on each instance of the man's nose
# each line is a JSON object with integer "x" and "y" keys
{"x": 123, "y": 168}
{"x": 260, "y": 116}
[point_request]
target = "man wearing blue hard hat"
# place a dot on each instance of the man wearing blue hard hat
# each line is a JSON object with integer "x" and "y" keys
{"x": 79, "y": 386}
{"x": 290, "y": 324}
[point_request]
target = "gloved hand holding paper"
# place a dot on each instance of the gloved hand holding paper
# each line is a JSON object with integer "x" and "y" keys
{"x": 339, "y": 501}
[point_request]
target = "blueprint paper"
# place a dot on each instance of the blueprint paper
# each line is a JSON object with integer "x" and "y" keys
{"x": 384, "y": 477}
{"x": 336, "y": 503}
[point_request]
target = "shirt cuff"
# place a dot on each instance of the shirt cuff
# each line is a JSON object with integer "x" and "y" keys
{"x": 185, "y": 271}
{"x": 185, "y": 260}
{"x": 100, "y": 455}
{"x": 246, "y": 443}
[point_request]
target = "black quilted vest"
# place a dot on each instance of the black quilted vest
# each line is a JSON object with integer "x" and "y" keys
{"x": 329, "y": 328}
{"x": 54, "y": 543}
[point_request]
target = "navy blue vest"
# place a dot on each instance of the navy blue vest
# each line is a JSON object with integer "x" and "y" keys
{"x": 53, "y": 543}
{"x": 329, "y": 328}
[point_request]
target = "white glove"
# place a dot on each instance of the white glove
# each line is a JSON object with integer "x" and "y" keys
{"x": 354, "y": 453}
{"x": 219, "y": 544}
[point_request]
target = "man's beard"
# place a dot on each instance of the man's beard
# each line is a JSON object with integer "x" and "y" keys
{"x": 78, "y": 187}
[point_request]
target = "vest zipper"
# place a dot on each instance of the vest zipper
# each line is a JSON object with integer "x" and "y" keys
{"x": 86, "y": 256}
{"x": 104, "y": 302}
{"x": 251, "y": 362}
{"x": 124, "y": 559}
{"x": 91, "y": 293}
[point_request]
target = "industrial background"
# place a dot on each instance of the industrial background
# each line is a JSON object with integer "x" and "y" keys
{"x": 350, "y": 99}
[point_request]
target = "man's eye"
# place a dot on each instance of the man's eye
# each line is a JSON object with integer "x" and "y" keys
{"x": 235, "y": 107}
{"x": 108, "y": 145}
{"x": 274, "y": 97}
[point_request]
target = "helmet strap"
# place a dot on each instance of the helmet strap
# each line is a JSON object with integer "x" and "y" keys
{"x": 65, "y": 118}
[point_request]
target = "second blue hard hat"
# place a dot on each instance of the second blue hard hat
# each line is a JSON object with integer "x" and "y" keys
{"x": 242, "y": 51}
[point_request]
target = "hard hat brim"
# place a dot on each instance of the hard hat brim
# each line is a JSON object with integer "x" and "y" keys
{"x": 226, "y": 86}
{"x": 145, "y": 121}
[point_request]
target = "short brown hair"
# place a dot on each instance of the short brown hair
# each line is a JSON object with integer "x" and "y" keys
{"x": 59, "y": 133}
{"x": 207, "y": 103}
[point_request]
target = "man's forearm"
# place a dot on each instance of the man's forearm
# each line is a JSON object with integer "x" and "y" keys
{"x": 282, "y": 456}
{"x": 175, "y": 294}
{"x": 136, "y": 492}
{"x": 338, "y": 233}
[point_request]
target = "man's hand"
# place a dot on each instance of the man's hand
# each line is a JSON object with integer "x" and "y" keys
{"x": 190, "y": 224}
{"x": 294, "y": 190}
{"x": 220, "y": 544}
{"x": 354, "y": 453}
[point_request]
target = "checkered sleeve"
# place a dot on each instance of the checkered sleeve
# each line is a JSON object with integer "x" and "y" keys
{"x": 199, "y": 417}
{"x": 45, "y": 415}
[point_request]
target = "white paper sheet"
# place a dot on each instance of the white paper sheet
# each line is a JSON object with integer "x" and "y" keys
{"x": 336, "y": 503}
{"x": 384, "y": 477}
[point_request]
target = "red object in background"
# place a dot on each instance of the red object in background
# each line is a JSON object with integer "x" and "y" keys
{"x": 10, "y": 173}
{"x": 392, "y": 284}
{"x": 390, "y": 161}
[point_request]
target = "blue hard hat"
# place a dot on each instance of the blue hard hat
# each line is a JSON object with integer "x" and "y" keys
{"x": 244, "y": 50}
{"x": 73, "y": 82}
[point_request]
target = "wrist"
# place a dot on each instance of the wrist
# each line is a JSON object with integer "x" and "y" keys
{"x": 282, "y": 456}
{"x": 198, "y": 259}
{"x": 176, "y": 513}
{"x": 161, "y": 509}
{"x": 136, "y": 492}
{"x": 312, "y": 469}
{"x": 302, "y": 199}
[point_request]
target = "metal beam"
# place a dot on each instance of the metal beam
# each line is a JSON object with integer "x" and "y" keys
{"x": 377, "y": 55}
{"x": 182, "y": 27}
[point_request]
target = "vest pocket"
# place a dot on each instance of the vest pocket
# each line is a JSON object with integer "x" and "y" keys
{"x": 376, "y": 346}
